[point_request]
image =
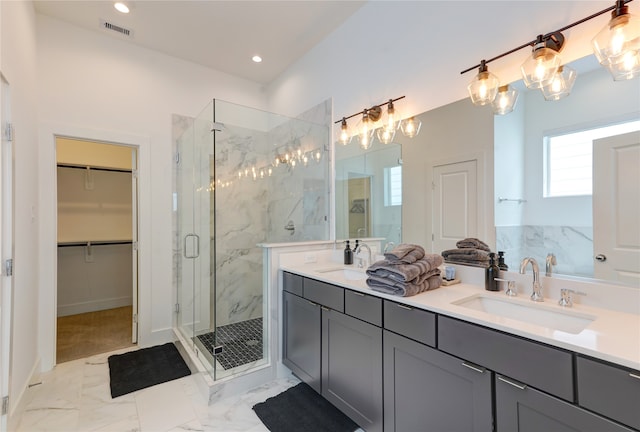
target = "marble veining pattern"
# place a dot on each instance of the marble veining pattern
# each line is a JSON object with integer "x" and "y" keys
{"x": 75, "y": 397}
{"x": 573, "y": 247}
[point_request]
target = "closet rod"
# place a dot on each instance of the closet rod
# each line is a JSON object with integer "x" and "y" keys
{"x": 95, "y": 168}
{"x": 96, "y": 243}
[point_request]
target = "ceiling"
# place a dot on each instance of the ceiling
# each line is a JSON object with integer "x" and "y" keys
{"x": 221, "y": 35}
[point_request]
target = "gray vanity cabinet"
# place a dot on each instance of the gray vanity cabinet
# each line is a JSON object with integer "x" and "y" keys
{"x": 302, "y": 341}
{"x": 428, "y": 390}
{"x": 352, "y": 368}
{"x": 520, "y": 408}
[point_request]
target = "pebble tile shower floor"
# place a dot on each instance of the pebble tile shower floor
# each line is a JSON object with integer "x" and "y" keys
{"x": 242, "y": 343}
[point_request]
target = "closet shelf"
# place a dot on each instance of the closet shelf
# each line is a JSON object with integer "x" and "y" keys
{"x": 94, "y": 243}
{"x": 84, "y": 167}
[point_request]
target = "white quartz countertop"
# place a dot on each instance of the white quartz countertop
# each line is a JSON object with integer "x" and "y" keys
{"x": 612, "y": 336}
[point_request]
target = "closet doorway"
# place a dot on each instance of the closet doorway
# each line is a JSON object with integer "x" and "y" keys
{"x": 97, "y": 247}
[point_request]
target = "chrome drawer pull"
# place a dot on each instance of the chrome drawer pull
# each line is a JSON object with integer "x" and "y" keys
{"x": 405, "y": 307}
{"x": 632, "y": 375}
{"x": 324, "y": 308}
{"x": 358, "y": 293}
{"x": 312, "y": 303}
{"x": 520, "y": 386}
{"x": 474, "y": 368}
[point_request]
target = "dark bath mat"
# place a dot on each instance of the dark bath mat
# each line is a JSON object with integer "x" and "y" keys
{"x": 136, "y": 370}
{"x": 300, "y": 408}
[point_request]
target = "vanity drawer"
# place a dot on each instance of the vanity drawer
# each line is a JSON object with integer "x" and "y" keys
{"x": 410, "y": 322}
{"x": 292, "y": 283}
{"x": 362, "y": 306}
{"x": 546, "y": 368}
{"x": 609, "y": 390}
{"x": 323, "y": 293}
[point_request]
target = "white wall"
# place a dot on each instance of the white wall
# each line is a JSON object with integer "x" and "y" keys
{"x": 100, "y": 86}
{"x": 18, "y": 64}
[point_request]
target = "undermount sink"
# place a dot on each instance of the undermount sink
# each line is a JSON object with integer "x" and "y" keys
{"x": 346, "y": 273}
{"x": 534, "y": 313}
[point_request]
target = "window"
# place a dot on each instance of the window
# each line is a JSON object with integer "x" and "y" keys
{"x": 569, "y": 159}
{"x": 393, "y": 186}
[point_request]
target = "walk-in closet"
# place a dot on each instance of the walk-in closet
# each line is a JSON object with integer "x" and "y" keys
{"x": 97, "y": 257}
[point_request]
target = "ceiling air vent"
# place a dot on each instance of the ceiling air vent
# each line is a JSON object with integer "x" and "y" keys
{"x": 116, "y": 28}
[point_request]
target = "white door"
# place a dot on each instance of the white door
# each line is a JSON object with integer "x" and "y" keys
{"x": 616, "y": 208}
{"x": 6, "y": 247}
{"x": 455, "y": 207}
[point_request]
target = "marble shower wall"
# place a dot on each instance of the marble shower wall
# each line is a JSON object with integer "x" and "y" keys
{"x": 249, "y": 210}
{"x": 572, "y": 246}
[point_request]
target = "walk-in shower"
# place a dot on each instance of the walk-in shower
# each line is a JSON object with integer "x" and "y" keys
{"x": 243, "y": 177}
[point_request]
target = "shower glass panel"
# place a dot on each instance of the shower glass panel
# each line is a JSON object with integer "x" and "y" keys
{"x": 245, "y": 177}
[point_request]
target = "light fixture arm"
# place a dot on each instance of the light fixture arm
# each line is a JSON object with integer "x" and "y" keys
{"x": 617, "y": 9}
{"x": 373, "y": 113}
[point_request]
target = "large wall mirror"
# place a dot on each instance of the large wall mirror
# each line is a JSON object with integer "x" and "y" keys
{"x": 369, "y": 192}
{"x": 562, "y": 187}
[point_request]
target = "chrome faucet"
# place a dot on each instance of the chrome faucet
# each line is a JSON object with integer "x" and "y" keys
{"x": 537, "y": 286}
{"x": 357, "y": 252}
{"x": 551, "y": 261}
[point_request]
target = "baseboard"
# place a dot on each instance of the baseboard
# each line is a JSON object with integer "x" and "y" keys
{"x": 93, "y": 306}
{"x": 17, "y": 407}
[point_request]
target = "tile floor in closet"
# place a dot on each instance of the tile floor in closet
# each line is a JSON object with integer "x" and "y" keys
{"x": 75, "y": 396}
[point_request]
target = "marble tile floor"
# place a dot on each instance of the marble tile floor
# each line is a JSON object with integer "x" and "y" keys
{"x": 75, "y": 396}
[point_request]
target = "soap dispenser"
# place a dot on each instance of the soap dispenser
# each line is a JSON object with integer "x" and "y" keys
{"x": 501, "y": 264}
{"x": 348, "y": 254}
{"x": 491, "y": 273}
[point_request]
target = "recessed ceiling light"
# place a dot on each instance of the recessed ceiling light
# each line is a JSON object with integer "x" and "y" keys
{"x": 256, "y": 58}
{"x": 121, "y": 7}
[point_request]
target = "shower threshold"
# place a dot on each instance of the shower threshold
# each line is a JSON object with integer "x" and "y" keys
{"x": 241, "y": 343}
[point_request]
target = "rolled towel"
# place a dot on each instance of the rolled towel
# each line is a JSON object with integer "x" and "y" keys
{"x": 473, "y": 243}
{"x": 404, "y": 289}
{"x": 405, "y": 272}
{"x": 405, "y": 253}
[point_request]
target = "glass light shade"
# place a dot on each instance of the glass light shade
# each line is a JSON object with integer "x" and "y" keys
{"x": 365, "y": 132}
{"x": 385, "y": 134}
{"x": 540, "y": 66}
{"x": 483, "y": 88}
{"x": 343, "y": 133}
{"x": 617, "y": 46}
{"x": 560, "y": 84}
{"x": 505, "y": 100}
{"x": 410, "y": 127}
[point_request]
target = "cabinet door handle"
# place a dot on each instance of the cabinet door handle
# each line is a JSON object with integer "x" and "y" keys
{"x": 632, "y": 375}
{"x": 473, "y": 367}
{"x": 324, "y": 308}
{"x": 359, "y": 294}
{"x": 520, "y": 386}
{"x": 405, "y": 307}
{"x": 312, "y": 303}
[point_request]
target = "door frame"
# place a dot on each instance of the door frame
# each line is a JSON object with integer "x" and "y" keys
{"x": 48, "y": 262}
{"x": 6, "y": 248}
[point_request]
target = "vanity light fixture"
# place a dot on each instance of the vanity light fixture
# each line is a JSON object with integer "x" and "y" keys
{"x": 121, "y": 7}
{"x": 617, "y": 45}
{"x": 376, "y": 119}
{"x": 505, "y": 100}
{"x": 560, "y": 84}
{"x": 484, "y": 86}
{"x": 544, "y": 61}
